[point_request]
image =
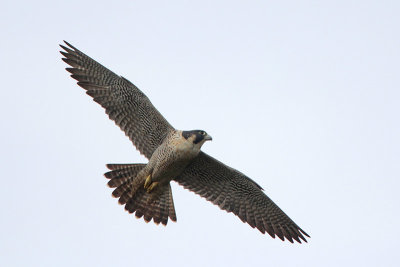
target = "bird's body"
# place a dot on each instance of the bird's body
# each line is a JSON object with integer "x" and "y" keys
{"x": 170, "y": 159}
{"x": 175, "y": 155}
{"x": 172, "y": 156}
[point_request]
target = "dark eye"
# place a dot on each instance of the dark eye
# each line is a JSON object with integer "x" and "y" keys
{"x": 202, "y": 132}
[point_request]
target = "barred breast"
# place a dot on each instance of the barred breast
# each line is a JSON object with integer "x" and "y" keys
{"x": 171, "y": 158}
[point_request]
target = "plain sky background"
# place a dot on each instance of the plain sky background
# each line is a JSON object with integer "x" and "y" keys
{"x": 302, "y": 96}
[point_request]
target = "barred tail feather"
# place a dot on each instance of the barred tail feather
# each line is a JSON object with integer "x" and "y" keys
{"x": 146, "y": 206}
{"x": 122, "y": 173}
{"x": 157, "y": 205}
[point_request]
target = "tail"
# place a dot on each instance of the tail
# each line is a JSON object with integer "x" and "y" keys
{"x": 157, "y": 205}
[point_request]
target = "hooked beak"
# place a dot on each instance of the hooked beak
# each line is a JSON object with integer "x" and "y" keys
{"x": 208, "y": 137}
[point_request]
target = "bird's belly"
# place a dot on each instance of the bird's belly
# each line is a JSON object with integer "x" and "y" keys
{"x": 167, "y": 172}
{"x": 174, "y": 164}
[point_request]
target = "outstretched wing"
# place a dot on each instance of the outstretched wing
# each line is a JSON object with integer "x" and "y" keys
{"x": 235, "y": 192}
{"x": 124, "y": 103}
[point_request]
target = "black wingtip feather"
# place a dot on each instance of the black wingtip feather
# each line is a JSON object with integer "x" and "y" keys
{"x": 287, "y": 233}
{"x": 68, "y": 51}
{"x": 65, "y": 54}
{"x": 68, "y": 61}
{"x": 65, "y": 48}
{"x": 280, "y": 235}
{"x": 303, "y": 238}
{"x": 296, "y": 238}
{"x": 304, "y": 233}
{"x": 72, "y": 62}
{"x": 70, "y": 45}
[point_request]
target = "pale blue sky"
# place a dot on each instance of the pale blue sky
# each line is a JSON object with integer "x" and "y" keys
{"x": 302, "y": 96}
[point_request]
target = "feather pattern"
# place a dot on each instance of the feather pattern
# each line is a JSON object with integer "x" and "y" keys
{"x": 157, "y": 205}
{"x": 234, "y": 192}
{"x": 222, "y": 185}
{"x": 124, "y": 103}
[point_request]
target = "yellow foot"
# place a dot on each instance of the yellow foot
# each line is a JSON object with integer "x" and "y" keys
{"x": 152, "y": 186}
{"x": 147, "y": 182}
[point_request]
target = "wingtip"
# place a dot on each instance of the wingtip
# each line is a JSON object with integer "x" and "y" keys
{"x": 304, "y": 233}
{"x": 71, "y": 46}
{"x": 300, "y": 237}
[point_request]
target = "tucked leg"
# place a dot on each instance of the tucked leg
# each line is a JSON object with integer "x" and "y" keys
{"x": 152, "y": 186}
{"x": 147, "y": 182}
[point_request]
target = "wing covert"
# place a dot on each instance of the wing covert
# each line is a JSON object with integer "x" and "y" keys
{"x": 234, "y": 192}
{"x": 124, "y": 103}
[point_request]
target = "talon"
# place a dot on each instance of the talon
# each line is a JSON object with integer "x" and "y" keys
{"x": 152, "y": 186}
{"x": 147, "y": 182}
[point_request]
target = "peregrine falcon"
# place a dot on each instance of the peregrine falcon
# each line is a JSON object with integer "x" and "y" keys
{"x": 175, "y": 155}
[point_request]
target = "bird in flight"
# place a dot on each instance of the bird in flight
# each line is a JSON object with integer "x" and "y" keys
{"x": 173, "y": 155}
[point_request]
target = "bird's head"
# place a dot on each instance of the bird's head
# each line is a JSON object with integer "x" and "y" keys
{"x": 198, "y": 137}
